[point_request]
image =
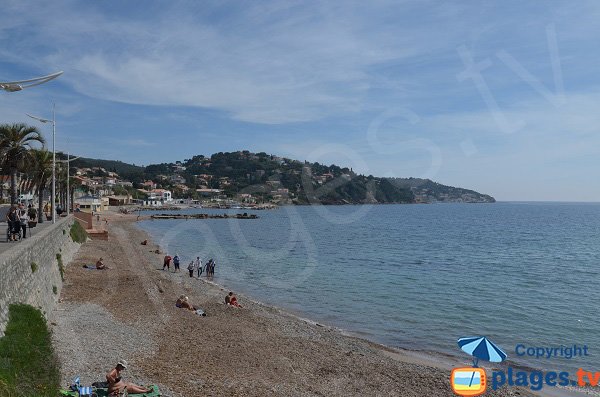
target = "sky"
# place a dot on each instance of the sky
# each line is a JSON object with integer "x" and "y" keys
{"x": 497, "y": 96}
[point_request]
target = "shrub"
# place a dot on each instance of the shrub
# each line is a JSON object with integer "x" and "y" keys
{"x": 61, "y": 267}
{"x": 34, "y": 267}
{"x": 54, "y": 289}
{"x": 28, "y": 365}
{"x": 78, "y": 233}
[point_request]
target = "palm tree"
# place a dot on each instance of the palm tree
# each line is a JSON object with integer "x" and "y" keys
{"x": 16, "y": 140}
{"x": 41, "y": 172}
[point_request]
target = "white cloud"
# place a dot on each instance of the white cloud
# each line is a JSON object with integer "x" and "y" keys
{"x": 261, "y": 63}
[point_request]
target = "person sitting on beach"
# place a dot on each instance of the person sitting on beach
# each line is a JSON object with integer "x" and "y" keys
{"x": 183, "y": 303}
{"x": 100, "y": 265}
{"x": 145, "y": 242}
{"x": 116, "y": 384}
{"x": 231, "y": 300}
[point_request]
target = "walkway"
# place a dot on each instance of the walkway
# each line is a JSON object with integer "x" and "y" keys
{"x": 31, "y": 233}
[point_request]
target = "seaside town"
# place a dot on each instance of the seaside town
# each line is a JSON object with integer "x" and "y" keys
{"x": 225, "y": 180}
{"x": 299, "y": 199}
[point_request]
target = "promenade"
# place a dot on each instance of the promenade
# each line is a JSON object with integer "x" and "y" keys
{"x": 31, "y": 233}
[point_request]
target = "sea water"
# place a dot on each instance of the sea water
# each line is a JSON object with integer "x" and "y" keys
{"x": 416, "y": 276}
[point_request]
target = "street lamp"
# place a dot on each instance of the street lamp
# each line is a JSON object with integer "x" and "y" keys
{"x": 53, "y": 121}
{"x": 68, "y": 160}
{"x": 13, "y": 86}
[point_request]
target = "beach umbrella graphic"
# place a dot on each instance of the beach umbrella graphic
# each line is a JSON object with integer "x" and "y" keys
{"x": 481, "y": 348}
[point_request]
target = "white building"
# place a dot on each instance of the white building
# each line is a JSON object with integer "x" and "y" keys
{"x": 158, "y": 197}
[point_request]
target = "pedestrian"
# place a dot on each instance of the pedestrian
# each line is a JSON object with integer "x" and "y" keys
{"x": 167, "y": 263}
{"x": 191, "y": 268}
{"x": 14, "y": 224}
{"x": 176, "y": 262}
{"x": 198, "y": 266}
{"x": 23, "y": 218}
{"x": 212, "y": 268}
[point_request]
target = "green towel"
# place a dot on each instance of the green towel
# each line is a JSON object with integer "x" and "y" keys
{"x": 104, "y": 393}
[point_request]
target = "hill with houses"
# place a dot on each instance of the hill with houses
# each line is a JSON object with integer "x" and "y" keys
{"x": 255, "y": 179}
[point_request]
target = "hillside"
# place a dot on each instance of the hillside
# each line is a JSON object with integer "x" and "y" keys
{"x": 428, "y": 191}
{"x": 261, "y": 177}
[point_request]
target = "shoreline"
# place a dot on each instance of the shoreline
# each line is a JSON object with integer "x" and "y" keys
{"x": 437, "y": 359}
{"x": 256, "y": 351}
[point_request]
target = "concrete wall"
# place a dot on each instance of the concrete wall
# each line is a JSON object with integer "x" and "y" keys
{"x": 85, "y": 219}
{"x": 20, "y": 284}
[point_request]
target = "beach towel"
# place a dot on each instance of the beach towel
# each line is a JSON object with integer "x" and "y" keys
{"x": 90, "y": 267}
{"x": 104, "y": 393}
{"x": 154, "y": 393}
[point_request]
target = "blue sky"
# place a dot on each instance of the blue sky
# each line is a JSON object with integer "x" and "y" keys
{"x": 501, "y": 97}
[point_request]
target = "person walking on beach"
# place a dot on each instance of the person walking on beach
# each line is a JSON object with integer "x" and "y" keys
{"x": 176, "y": 262}
{"x": 191, "y": 268}
{"x": 167, "y": 263}
{"x": 208, "y": 265}
{"x": 198, "y": 266}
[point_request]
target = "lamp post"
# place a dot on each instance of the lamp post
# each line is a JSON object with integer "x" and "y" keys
{"x": 53, "y": 121}
{"x": 68, "y": 161}
{"x": 13, "y": 86}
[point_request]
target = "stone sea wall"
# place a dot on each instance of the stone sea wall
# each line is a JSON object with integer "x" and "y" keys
{"x": 30, "y": 271}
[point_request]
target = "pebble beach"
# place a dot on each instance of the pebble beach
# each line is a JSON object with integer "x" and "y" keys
{"x": 128, "y": 312}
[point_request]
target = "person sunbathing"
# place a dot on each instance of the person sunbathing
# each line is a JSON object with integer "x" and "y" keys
{"x": 100, "y": 265}
{"x": 116, "y": 384}
{"x": 231, "y": 300}
{"x": 183, "y": 303}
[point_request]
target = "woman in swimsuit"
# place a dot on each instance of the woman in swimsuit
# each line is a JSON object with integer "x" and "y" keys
{"x": 116, "y": 384}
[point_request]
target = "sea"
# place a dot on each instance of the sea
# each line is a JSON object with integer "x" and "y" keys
{"x": 417, "y": 277}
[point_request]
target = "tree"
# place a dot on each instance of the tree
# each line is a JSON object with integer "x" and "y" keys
{"x": 16, "y": 142}
{"x": 41, "y": 172}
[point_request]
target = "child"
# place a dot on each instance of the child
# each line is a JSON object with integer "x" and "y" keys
{"x": 191, "y": 268}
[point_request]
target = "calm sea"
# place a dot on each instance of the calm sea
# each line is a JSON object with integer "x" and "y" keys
{"x": 417, "y": 276}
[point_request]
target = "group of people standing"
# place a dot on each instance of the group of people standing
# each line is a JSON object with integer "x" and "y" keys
{"x": 17, "y": 218}
{"x": 195, "y": 266}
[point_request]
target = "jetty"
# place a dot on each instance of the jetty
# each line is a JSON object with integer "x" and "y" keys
{"x": 205, "y": 216}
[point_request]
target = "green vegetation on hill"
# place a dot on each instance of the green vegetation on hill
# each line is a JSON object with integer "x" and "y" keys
{"x": 28, "y": 366}
{"x": 131, "y": 172}
{"x": 278, "y": 179}
{"x": 426, "y": 190}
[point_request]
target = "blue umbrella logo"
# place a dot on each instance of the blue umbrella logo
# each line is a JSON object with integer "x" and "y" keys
{"x": 481, "y": 348}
